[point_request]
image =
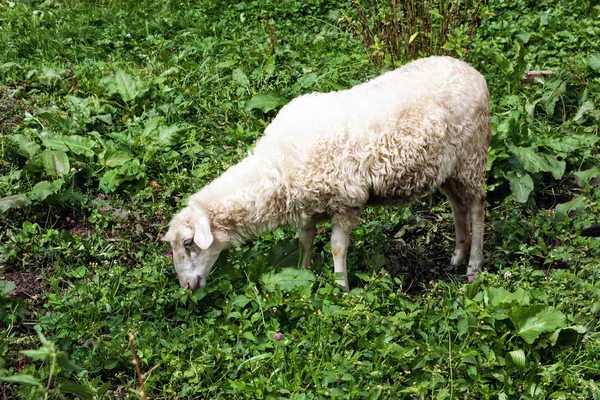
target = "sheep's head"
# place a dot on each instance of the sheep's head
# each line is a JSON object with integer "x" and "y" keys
{"x": 195, "y": 249}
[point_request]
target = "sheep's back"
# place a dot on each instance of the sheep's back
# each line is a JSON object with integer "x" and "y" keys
{"x": 385, "y": 141}
{"x": 434, "y": 82}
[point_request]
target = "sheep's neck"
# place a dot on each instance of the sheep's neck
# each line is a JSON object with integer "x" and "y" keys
{"x": 246, "y": 208}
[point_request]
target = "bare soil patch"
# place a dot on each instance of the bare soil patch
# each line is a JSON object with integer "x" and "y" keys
{"x": 12, "y": 111}
{"x": 27, "y": 284}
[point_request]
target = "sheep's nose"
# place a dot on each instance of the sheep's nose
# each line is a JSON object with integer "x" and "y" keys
{"x": 195, "y": 283}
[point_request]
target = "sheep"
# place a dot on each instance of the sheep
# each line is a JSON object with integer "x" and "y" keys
{"x": 407, "y": 132}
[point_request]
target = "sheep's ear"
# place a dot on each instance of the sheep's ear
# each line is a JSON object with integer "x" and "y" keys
{"x": 203, "y": 236}
{"x": 168, "y": 236}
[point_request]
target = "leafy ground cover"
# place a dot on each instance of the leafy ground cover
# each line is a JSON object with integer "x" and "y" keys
{"x": 112, "y": 114}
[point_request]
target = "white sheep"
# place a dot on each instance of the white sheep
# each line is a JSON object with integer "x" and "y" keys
{"x": 325, "y": 156}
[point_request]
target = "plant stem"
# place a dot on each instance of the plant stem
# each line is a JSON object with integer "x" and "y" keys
{"x": 136, "y": 363}
{"x": 52, "y": 366}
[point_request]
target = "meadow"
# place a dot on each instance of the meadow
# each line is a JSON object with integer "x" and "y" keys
{"x": 113, "y": 112}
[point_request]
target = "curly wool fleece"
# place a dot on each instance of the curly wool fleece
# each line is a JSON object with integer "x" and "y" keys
{"x": 325, "y": 156}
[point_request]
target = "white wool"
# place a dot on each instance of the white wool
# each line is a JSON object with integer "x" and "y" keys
{"x": 328, "y": 155}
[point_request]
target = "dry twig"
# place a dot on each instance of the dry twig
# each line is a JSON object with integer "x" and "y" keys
{"x": 529, "y": 76}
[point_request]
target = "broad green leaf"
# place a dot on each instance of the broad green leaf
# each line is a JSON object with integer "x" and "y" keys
{"x": 521, "y": 296}
{"x": 285, "y": 253}
{"x": 7, "y": 286}
{"x": 240, "y": 78}
{"x": 77, "y": 273}
{"x": 531, "y": 322}
{"x": 171, "y": 71}
{"x": 584, "y": 177}
{"x": 21, "y": 379}
{"x": 240, "y": 301}
{"x": 269, "y": 68}
{"x": 56, "y": 163}
{"x": 169, "y": 135}
{"x": 505, "y": 65}
{"x": 9, "y": 65}
{"x": 577, "y": 204}
{"x": 80, "y": 145}
{"x": 27, "y": 147}
{"x": 567, "y": 336}
{"x": 110, "y": 181}
{"x": 463, "y": 326}
{"x": 72, "y": 387}
{"x": 594, "y": 62}
{"x": 106, "y": 118}
{"x": 567, "y": 144}
{"x": 14, "y": 201}
{"x": 54, "y": 142}
{"x": 152, "y": 124}
{"x": 554, "y": 91}
{"x": 529, "y": 158}
{"x": 266, "y": 101}
{"x": 102, "y": 389}
{"x": 111, "y": 363}
{"x": 534, "y": 161}
{"x": 520, "y": 186}
{"x": 131, "y": 170}
{"x": 517, "y": 357}
{"x": 258, "y": 357}
{"x": 40, "y": 354}
{"x": 287, "y": 279}
{"x": 49, "y": 76}
{"x": 44, "y": 189}
{"x": 117, "y": 159}
{"x": 125, "y": 85}
{"x": 307, "y": 80}
{"x": 499, "y": 296}
{"x": 587, "y": 108}
{"x": 63, "y": 361}
{"x": 530, "y": 108}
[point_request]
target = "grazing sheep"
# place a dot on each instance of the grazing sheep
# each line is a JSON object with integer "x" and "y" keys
{"x": 328, "y": 155}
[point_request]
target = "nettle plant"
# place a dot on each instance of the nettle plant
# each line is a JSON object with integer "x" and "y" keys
{"x": 94, "y": 143}
{"x": 395, "y": 31}
{"x": 543, "y": 130}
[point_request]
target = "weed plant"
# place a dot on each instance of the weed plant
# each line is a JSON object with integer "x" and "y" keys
{"x": 112, "y": 113}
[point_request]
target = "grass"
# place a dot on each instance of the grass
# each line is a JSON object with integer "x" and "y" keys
{"x": 143, "y": 105}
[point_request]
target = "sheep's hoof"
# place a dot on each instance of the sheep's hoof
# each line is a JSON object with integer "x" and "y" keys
{"x": 344, "y": 287}
{"x": 458, "y": 258}
{"x": 474, "y": 268}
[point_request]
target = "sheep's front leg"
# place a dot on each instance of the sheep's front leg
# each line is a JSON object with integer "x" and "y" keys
{"x": 307, "y": 237}
{"x": 340, "y": 237}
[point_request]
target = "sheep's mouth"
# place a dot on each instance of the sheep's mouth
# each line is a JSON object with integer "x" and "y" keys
{"x": 198, "y": 283}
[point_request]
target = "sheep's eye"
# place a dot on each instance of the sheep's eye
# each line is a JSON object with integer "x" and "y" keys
{"x": 188, "y": 242}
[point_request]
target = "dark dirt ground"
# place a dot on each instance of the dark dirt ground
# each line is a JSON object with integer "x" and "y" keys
{"x": 12, "y": 111}
{"x": 27, "y": 284}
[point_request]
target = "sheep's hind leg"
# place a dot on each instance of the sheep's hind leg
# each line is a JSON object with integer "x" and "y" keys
{"x": 477, "y": 212}
{"x": 460, "y": 213}
{"x": 307, "y": 236}
{"x": 340, "y": 238}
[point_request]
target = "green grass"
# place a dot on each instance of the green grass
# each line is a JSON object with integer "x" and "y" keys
{"x": 143, "y": 104}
